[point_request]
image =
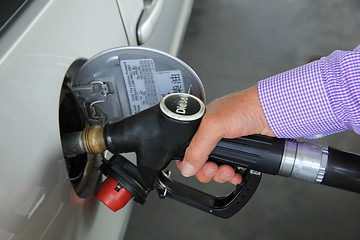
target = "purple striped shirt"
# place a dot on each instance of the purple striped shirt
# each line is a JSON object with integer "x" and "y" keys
{"x": 314, "y": 100}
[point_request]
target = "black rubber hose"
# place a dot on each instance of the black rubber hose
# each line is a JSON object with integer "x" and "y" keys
{"x": 342, "y": 171}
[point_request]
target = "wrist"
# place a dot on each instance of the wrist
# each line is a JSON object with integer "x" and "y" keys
{"x": 265, "y": 128}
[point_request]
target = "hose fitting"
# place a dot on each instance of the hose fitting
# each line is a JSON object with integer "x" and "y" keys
{"x": 93, "y": 139}
{"x": 304, "y": 161}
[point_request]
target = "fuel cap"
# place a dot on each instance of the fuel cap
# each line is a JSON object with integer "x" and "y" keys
{"x": 182, "y": 107}
{"x": 113, "y": 195}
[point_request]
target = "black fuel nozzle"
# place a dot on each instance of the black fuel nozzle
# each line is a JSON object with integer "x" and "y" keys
{"x": 156, "y": 135}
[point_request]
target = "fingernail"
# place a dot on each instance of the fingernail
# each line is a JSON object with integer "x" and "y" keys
{"x": 187, "y": 169}
{"x": 224, "y": 176}
{"x": 209, "y": 171}
{"x": 237, "y": 179}
{"x": 235, "y": 182}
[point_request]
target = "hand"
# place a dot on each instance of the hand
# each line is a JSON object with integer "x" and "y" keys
{"x": 235, "y": 115}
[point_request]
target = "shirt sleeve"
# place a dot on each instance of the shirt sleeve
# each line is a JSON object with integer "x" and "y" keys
{"x": 316, "y": 99}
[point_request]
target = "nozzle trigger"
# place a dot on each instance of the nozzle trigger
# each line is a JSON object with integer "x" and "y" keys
{"x": 225, "y": 206}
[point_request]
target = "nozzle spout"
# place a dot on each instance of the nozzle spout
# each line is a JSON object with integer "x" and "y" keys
{"x": 91, "y": 140}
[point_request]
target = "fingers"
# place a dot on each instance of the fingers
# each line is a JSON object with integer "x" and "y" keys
{"x": 224, "y": 174}
{"x": 237, "y": 179}
{"x": 221, "y": 174}
{"x": 207, "y": 172}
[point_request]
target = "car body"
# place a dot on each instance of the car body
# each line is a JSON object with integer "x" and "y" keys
{"x": 37, "y": 46}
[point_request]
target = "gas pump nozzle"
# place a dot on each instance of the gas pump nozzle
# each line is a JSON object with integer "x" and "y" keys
{"x": 161, "y": 134}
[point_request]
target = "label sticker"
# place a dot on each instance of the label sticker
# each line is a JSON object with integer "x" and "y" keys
{"x": 170, "y": 82}
{"x": 145, "y": 86}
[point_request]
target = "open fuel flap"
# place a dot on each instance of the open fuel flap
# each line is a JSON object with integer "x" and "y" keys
{"x": 111, "y": 86}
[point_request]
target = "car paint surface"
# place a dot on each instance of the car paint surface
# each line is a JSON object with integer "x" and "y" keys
{"x": 37, "y": 200}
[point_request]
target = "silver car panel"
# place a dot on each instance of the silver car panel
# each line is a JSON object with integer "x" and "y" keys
{"x": 37, "y": 200}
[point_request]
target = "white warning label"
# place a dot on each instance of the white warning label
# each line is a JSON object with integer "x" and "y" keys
{"x": 145, "y": 86}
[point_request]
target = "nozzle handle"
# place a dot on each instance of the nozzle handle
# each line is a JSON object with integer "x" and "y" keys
{"x": 257, "y": 152}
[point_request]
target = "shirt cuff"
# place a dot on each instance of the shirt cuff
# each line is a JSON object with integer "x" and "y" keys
{"x": 296, "y": 105}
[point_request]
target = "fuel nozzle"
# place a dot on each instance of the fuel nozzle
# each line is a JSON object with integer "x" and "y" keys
{"x": 156, "y": 135}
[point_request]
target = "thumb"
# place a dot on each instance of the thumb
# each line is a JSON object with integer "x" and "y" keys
{"x": 200, "y": 147}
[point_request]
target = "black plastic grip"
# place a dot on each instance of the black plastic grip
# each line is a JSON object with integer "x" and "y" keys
{"x": 343, "y": 170}
{"x": 257, "y": 152}
{"x": 225, "y": 206}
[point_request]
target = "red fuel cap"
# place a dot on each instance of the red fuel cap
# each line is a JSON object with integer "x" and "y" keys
{"x": 111, "y": 196}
